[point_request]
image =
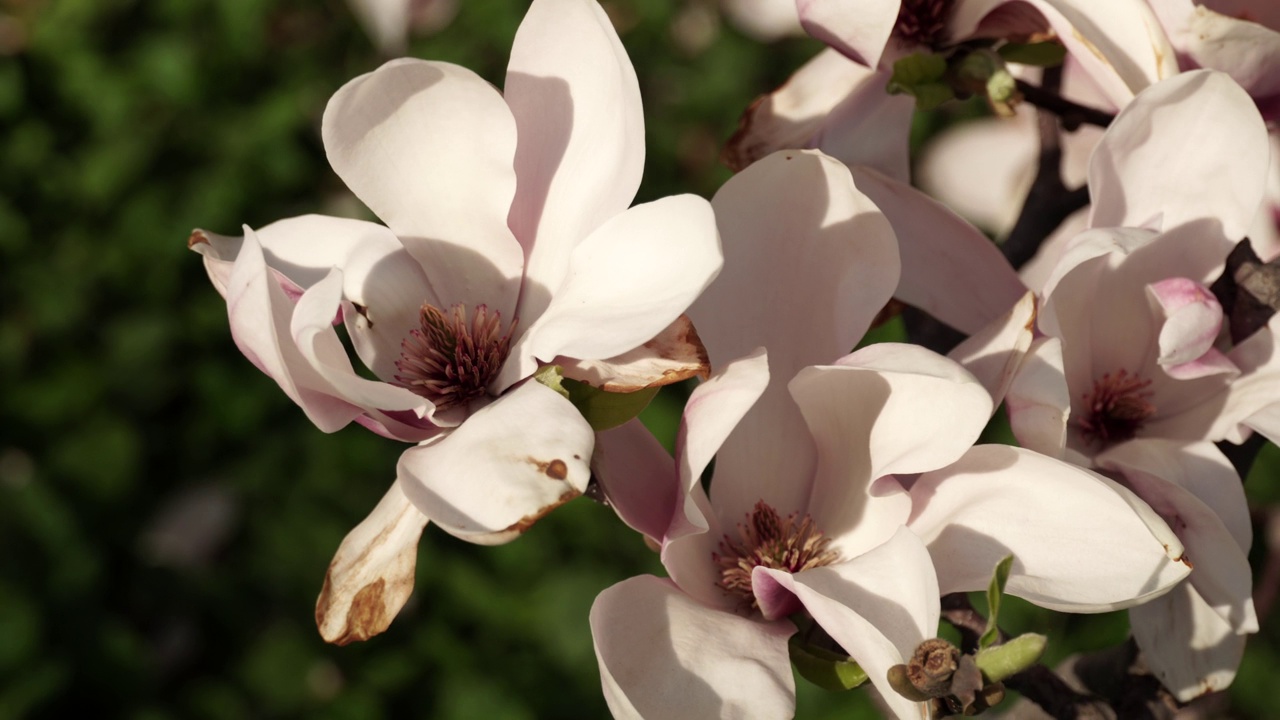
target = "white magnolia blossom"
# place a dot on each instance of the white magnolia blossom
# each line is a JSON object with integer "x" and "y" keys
{"x": 851, "y": 492}
{"x": 508, "y": 244}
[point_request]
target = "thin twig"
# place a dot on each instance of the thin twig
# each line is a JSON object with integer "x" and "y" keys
{"x": 1073, "y": 115}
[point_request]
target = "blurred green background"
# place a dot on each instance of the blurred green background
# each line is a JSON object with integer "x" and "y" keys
{"x": 166, "y": 513}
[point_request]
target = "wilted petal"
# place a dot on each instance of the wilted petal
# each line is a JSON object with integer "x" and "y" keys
{"x": 371, "y": 576}
{"x": 859, "y": 30}
{"x": 1081, "y": 543}
{"x": 1039, "y": 401}
{"x": 994, "y": 354}
{"x": 638, "y": 477}
{"x": 622, "y": 288}
{"x": 509, "y": 464}
{"x": 949, "y": 269}
{"x": 1185, "y": 644}
{"x": 675, "y": 354}
{"x": 665, "y": 656}
{"x": 580, "y": 153}
{"x": 428, "y": 146}
{"x": 835, "y": 105}
{"x": 865, "y": 418}
{"x": 809, "y": 261}
{"x": 878, "y": 606}
{"x": 1144, "y": 173}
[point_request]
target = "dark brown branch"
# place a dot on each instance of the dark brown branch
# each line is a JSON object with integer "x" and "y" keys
{"x": 1042, "y": 686}
{"x": 957, "y": 610}
{"x": 1073, "y": 115}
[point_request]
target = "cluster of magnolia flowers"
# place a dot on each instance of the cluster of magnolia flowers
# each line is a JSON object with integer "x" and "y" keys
{"x": 515, "y": 312}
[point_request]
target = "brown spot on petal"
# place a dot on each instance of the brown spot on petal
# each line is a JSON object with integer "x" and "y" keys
{"x": 557, "y": 470}
{"x": 523, "y": 525}
{"x": 742, "y": 149}
{"x": 197, "y": 237}
{"x": 366, "y": 617}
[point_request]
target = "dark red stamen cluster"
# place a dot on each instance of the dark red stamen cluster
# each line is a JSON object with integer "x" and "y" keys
{"x": 923, "y": 22}
{"x": 769, "y": 540}
{"x": 1116, "y": 408}
{"x": 449, "y": 359}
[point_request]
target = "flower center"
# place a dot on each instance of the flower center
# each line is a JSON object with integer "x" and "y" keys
{"x": 450, "y": 360}
{"x": 767, "y": 539}
{"x": 1116, "y": 408}
{"x": 922, "y": 21}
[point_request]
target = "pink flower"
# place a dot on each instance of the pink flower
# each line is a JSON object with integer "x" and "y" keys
{"x": 509, "y": 244}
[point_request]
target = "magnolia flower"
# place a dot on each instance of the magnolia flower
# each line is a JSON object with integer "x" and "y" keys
{"x": 1132, "y": 376}
{"x": 509, "y": 244}
{"x": 814, "y": 506}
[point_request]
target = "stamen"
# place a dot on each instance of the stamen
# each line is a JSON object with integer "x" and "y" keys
{"x": 922, "y": 22}
{"x": 1116, "y": 408}
{"x": 769, "y": 540}
{"x": 451, "y": 361}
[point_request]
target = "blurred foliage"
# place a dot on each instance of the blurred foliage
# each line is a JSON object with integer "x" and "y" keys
{"x": 166, "y": 514}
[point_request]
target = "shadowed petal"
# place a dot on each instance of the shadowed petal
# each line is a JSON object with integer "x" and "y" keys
{"x": 638, "y": 476}
{"x": 994, "y": 354}
{"x": 664, "y": 656}
{"x": 1186, "y": 644}
{"x": 509, "y": 464}
{"x": 371, "y": 575}
{"x": 1039, "y": 402}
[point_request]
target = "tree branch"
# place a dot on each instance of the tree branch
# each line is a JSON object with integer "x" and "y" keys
{"x": 1073, "y": 115}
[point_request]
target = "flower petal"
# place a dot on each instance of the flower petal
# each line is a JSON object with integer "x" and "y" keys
{"x": 428, "y": 146}
{"x": 675, "y": 354}
{"x": 835, "y": 105}
{"x": 638, "y": 477}
{"x": 1242, "y": 46}
{"x": 509, "y": 464}
{"x": 878, "y": 606}
{"x": 622, "y": 288}
{"x": 1193, "y": 318}
{"x": 580, "y": 153}
{"x": 809, "y": 261}
{"x": 663, "y": 655}
{"x": 864, "y": 416}
{"x": 1081, "y": 543}
{"x": 859, "y": 30}
{"x": 1185, "y": 644}
{"x": 1039, "y": 402}
{"x": 949, "y": 269}
{"x": 371, "y": 575}
{"x": 1145, "y": 174}
{"x": 994, "y": 354}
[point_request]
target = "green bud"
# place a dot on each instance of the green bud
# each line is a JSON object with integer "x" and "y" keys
{"x": 923, "y": 76}
{"x": 995, "y": 589}
{"x": 1000, "y": 661}
{"x": 828, "y": 670}
{"x": 551, "y": 376}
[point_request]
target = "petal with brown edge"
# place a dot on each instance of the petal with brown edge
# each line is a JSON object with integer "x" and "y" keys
{"x": 675, "y": 354}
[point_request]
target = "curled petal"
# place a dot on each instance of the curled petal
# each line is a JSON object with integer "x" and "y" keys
{"x": 994, "y": 354}
{"x": 371, "y": 575}
{"x": 506, "y": 466}
{"x": 1193, "y": 318}
{"x": 1081, "y": 542}
{"x": 675, "y": 354}
{"x": 664, "y": 655}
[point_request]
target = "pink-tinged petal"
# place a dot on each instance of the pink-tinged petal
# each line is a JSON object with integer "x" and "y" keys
{"x": 995, "y": 353}
{"x": 949, "y": 269}
{"x": 1193, "y": 318}
{"x": 509, "y": 464}
{"x": 312, "y": 330}
{"x": 638, "y": 477}
{"x": 1081, "y": 542}
{"x": 866, "y": 421}
{"x": 580, "y": 152}
{"x": 675, "y": 354}
{"x": 714, "y": 410}
{"x": 1145, "y": 174}
{"x": 1221, "y": 573}
{"x": 663, "y": 655}
{"x": 371, "y": 575}
{"x": 878, "y": 606}
{"x": 1185, "y": 644}
{"x": 1213, "y": 362}
{"x": 219, "y": 253}
{"x": 622, "y": 288}
{"x": 835, "y": 105}
{"x": 859, "y": 30}
{"x": 809, "y": 261}
{"x": 1039, "y": 402}
{"x": 1118, "y": 43}
{"x": 387, "y": 289}
{"x": 428, "y": 146}
{"x": 304, "y": 248}
{"x": 260, "y": 312}
{"x": 1240, "y": 46}
{"x": 694, "y": 541}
